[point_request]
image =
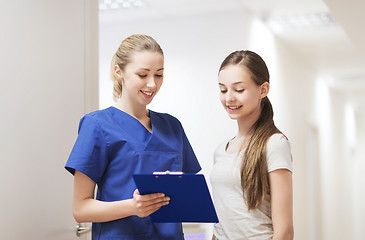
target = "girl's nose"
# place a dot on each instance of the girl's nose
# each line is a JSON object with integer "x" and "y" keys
{"x": 230, "y": 96}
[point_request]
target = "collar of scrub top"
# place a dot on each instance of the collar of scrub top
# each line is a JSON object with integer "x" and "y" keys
{"x": 151, "y": 141}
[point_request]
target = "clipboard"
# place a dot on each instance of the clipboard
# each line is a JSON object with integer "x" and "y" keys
{"x": 190, "y": 200}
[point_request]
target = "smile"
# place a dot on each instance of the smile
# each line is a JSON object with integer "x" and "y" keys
{"x": 147, "y": 94}
{"x": 233, "y": 108}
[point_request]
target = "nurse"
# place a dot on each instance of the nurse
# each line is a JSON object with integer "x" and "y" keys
{"x": 126, "y": 139}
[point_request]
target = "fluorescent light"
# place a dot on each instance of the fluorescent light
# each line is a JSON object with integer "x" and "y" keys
{"x": 138, "y": 3}
{"x": 299, "y": 22}
{"x": 119, "y": 4}
{"x": 114, "y": 5}
{"x": 102, "y": 6}
{"x": 126, "y": 4}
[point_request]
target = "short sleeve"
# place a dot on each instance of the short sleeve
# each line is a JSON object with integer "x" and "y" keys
{"x": 190, "y": 162}
{"x": 279, "y": 153}
{"x": 89, "y": 154}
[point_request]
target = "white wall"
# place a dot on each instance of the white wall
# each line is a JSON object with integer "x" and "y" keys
{"x": 357, "y": 164}
{"x": 341, "y": 166}
{"x": 45, "y": 69}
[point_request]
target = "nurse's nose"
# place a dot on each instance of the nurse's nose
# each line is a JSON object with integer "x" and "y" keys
{"x": 151, "y": 82}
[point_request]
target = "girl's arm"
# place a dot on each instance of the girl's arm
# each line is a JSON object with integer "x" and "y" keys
{"x": 88, "y": 209}
{"x": 281, "y": 190}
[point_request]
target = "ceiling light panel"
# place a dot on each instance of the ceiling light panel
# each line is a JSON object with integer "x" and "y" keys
{"x": 119, "y": 4}
{"x": 299, "y": 22}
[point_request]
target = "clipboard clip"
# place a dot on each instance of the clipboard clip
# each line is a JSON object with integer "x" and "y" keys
{"x": 167, "y": 173}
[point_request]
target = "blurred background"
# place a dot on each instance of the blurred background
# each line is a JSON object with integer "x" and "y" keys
{"x": 54, "y": 67}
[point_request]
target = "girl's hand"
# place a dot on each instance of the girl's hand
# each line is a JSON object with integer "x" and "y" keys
{"x": 149, "y": 203}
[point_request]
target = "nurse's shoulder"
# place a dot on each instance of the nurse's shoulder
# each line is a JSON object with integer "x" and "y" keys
{"x": 95, "y": 119}
{"x": 165, "y": 119}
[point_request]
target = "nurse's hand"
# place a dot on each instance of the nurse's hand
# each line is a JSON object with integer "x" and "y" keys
{"x": 149, "y": 203}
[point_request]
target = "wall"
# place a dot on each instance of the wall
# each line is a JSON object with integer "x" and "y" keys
{"x": 357, "y": 164}
{"x": 343, "y": 141}
{"x": 341, "y": 164}
{"x": 45, "y": 69}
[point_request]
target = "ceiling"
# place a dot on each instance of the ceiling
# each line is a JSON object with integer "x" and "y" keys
{"x": 336, "y": 50}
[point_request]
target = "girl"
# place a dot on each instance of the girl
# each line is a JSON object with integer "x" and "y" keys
{"x": 252, "y": 173}
{"x": 117, "y": 142}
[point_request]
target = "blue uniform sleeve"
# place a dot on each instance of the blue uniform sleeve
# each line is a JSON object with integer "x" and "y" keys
{"x": 89, "y": 154}
{"x": 190, "y": 162}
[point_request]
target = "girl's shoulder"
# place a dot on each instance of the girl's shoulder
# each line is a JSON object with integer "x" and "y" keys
{"x": 277, "y": 139}
{"x": 279, "y": 153}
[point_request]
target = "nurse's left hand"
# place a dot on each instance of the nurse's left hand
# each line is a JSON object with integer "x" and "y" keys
{"x": 144, "y": 205}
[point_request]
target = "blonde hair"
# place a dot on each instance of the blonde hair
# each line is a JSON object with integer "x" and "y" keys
{"x": 254, "y": 176}
{"x": 130, "y": 45}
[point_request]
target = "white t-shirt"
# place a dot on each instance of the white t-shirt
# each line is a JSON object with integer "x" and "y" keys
{"x": 235, "y": 221}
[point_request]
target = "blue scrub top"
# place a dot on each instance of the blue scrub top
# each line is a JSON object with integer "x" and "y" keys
{"x": 112, "y": 146}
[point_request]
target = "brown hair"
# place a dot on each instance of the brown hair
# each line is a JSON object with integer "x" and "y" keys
{"x": 133, "y": 43}
{"x": 254, "y": 176}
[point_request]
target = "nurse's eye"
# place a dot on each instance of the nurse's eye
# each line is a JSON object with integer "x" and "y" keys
{"x": 142, "y": 76}
{"x": 159, "y": 75}
{"x": 240, "y": 90}
{"x": 223, "y": 91}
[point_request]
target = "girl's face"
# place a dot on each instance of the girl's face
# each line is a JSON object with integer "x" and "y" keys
{"x": 142, "y": 77}
{"x": 239, "y": 94}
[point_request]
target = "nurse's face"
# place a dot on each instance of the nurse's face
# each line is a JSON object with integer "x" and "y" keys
{"x": 142, "y": 77}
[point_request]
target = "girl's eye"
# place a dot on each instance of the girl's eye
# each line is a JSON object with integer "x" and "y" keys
{"x": 159, "y": 75}
{"x": 240, "y": 90}
{"x": 142, "y": 76}
{"x": 223, "y": 91}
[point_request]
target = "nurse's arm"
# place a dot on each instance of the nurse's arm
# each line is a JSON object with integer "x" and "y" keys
{"x": 148, "y": 203}
{"x": 88, "y": 209}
